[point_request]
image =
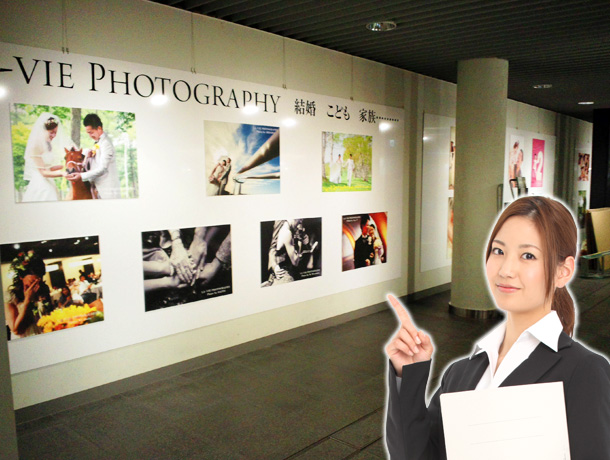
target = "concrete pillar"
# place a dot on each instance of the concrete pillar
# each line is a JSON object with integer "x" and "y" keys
{"x": 479, "y": 167}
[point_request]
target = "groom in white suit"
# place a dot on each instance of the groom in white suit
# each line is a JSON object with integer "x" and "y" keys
{"x": 103, "y": 171}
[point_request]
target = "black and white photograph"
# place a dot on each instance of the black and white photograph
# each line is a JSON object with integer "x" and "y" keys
{"x": 186, "y": 265}
{"x": 291, "y": 250}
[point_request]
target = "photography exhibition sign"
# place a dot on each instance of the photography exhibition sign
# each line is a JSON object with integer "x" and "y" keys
{"x": 201, "y": 193}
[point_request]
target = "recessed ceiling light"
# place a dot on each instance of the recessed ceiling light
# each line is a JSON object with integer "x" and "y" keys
{"x": 543, "y": 86}
{"x": 587, "y": 103}
{"x": 381, "y": 26}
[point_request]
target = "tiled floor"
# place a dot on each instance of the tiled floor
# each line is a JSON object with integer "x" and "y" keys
{"x": 317, "y": 397}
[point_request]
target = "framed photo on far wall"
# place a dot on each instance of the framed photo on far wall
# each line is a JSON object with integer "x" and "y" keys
{"x": 583, "y": 166}
{"x": 364, "y": 240}
{"x": 186, "y": 265}
{"x": 452, "y": 158}
{"x": 537, "y": 162}
{"x": 57, "y": 282}
{"x": 347, "y": 162}
{"x": 291, "y": 250}
{"x": 516, "y": 158}
{"x": 68, "y": 153}
{"x": 241, "y": 159}
{"x": 582, "y": 207}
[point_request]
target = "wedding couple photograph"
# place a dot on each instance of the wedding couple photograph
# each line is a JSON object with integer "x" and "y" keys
{"x": 347, "y": 162}
{"x": 64, "y": 153}
{"x": 364, "y": 240}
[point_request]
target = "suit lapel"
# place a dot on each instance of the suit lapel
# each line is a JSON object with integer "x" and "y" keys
{"x": 477, "y": 367}
{"x": 537, "y": 364}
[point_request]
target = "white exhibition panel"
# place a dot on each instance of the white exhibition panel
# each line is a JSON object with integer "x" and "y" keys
{"x": 172, "y": 194}
{"x": 583, "y": 184}
{"x": 526, "y": 141}
{"x": 435, "y": 191}
{"x": 435, "y": 179}
{"x": 583, "y": 187}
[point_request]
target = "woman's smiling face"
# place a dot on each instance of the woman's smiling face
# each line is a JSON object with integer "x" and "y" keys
{"x": 515, "y": 269}
{"x": 52, "y": 133}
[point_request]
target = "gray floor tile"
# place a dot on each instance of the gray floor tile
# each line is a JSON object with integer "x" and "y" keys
{"x": 328, "y": 449}
{"x": 365, "y": 455}
{"x": 371, "y": 394}
{"x": 327, "y": 380}
{"x": 122, "y": 428}
{"x": 228, "y": 377}
{"x": 285, "y": 394}
{"x": 318, "y": 396}
{"x": 370, "y": 334}
{"x": 37, "y": 424}
{"x": 367, "y": 361}
{"x": 598, "y": 316}
{"x": 363, "y": 432}
{"x": 315, "y": 349}
{"x": 58, "y": 442}
{"x": 377, "y": 450}
{"x": 276, "y": 360}
{"x": 589, "y": 292}
{"x": 173, "y": 398}
{"x": 333, "y": 413}
{"x": 250, "y": 431}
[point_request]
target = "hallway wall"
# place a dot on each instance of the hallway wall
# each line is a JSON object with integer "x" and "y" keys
{"x": 148, "y": 33}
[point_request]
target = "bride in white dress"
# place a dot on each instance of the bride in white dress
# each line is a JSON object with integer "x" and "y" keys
{"x": 39, "y": 158}
{"x": 335, "y": 171}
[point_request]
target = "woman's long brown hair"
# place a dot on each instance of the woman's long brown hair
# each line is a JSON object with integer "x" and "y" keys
{"x": 559, "y": 235}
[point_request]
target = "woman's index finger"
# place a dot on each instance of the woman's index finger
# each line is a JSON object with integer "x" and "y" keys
{"x": 404, "y": 317}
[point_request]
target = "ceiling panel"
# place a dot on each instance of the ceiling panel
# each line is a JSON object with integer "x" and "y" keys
{"x": 562, "y": 42}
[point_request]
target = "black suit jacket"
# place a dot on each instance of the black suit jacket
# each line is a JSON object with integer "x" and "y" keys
{"x": 414, "y": 431}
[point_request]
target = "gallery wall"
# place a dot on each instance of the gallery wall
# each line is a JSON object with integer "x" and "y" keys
{"x": 437, "y": 98}
{"x": 173, "y": 138}
{"x": 183, "y": 148}
{"x": 202, "y": 45}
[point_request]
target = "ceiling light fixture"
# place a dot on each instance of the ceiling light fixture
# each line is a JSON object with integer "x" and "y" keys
{"x": 586, "y": 103}
{"x": 543, "y": 86}
{"x": 381, "y": 26}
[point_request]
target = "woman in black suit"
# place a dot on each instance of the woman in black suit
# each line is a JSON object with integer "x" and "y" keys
{"x": 530, "y": 259}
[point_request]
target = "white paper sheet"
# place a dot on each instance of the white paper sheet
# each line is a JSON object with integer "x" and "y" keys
{"x": 518, "y": 423}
